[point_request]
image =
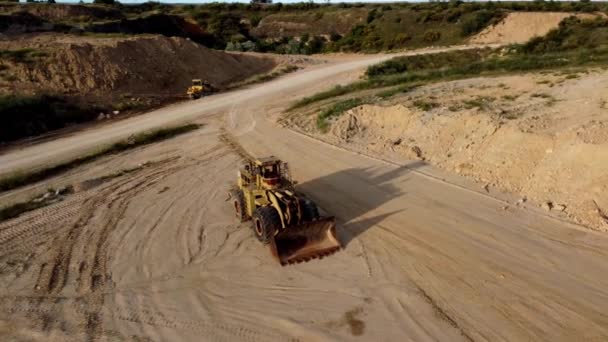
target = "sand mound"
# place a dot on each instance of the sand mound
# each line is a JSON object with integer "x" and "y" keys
{"x": 139, "y": 65}
{"x": 520, "y": 27}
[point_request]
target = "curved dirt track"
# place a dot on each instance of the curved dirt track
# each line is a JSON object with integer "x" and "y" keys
{"x": 155, "y": 254}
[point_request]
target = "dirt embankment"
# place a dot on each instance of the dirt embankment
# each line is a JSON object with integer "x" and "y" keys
{"x": 101, "y": 67}
{"x": 543, "y": 136}
{"x": 519, "y": 27}
{"x": 312, "y": 23}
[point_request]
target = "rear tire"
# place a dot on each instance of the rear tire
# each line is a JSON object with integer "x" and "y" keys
{"x": 310, "y": 211}
{"x": 266, "y": 221}
{"x": 238, "y": 201}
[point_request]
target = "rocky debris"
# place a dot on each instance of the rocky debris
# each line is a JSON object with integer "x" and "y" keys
{"x": 131, "y": 140}
{"x": 521, "y": 201}
{"x": 559, "y": 207}
{"x": 418, "y": 152}
{"x": 600, "y": 212}
{"x": 53, "y": 195}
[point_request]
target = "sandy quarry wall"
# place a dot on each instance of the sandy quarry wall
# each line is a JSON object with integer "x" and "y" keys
{"x": 519, "y": 27}
{"x": 542, "y": 136}
{"x": 146, "y": 64}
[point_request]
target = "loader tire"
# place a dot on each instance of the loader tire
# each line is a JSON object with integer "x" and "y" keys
{"x": 238, "y": 200}
{"x": 310, "y": 211}
{"x": 266, "y": 222}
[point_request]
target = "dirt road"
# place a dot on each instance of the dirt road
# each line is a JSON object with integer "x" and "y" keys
{"x": 155, "y": 254}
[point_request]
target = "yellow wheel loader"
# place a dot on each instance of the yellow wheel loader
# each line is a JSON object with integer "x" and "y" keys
{"x": 282, "y": 218}
{"x": 199, "y": 89}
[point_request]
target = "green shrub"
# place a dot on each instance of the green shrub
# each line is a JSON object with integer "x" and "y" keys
{"x": 255, "y": 20}
{"x": 432, "y": 36}
{"x": 22, "y": 116}
{"x": 479, "y": 21}
{"x": 425, "y": 105}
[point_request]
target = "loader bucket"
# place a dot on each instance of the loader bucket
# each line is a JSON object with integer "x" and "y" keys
{"x": 310, "y": 240}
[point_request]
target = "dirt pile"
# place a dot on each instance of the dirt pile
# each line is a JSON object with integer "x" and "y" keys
{"x": 542, "y": 136}
{"x": 142, "y": 65}
{"x": 517, "y": 28}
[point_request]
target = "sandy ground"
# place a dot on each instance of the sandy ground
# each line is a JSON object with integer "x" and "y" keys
{"x": 519, "y": 27}
{"x": 156, "y": 254}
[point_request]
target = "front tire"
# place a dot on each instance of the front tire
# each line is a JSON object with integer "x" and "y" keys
{"x": 266, "y": 222}
{"x": 310, "y": 211}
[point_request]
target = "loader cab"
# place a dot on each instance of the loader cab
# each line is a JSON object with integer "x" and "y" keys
{"x": 197, "y": 83}
{"x": 269, "y": 171}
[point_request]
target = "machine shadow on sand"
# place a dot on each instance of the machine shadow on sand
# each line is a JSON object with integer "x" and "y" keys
{"x": 336, "y": 195}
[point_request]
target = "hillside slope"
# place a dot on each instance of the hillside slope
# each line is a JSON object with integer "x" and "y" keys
{"x": 110, "y": 66}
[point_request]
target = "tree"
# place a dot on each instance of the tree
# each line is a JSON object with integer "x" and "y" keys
{"x": 104, "y": 2}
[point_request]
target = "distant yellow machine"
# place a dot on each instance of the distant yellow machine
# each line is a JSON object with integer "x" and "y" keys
{"x": 199, "y": 89}
{"x": 286, "y": 220}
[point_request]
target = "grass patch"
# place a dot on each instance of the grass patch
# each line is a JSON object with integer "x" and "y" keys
{"x": 336, "y": 110}
{"x": 425, "y": 105}
{"x": 271, "y": 76}
{"x": 267, "y": 77}
{"x": 427, "y": 61}
{"x": 541, "y": 95}
{"x": 23, "y": 178}
{"x": 481, "y": 102}
{"x": 396, "y": 90}
{"x": 21, "y": 55}
{"x": 334, "y": 92}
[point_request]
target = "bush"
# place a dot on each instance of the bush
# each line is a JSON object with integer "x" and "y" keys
{"x": 255, "y": 20}
{"x": 401, "y": 39}
{"x": 22, "y": 116}
{"x": 432, "y": 36}
{"x": 315, "y": 45}
{"x": 479, "y": 21}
